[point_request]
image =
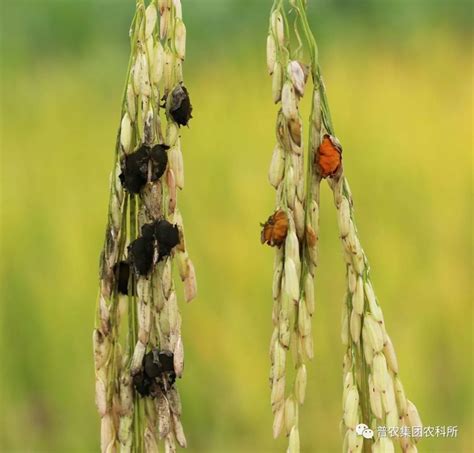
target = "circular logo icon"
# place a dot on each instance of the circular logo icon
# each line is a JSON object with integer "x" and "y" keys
{"x": 360, "y": 428}
{"x": 367, "y": 433}
{"x": 363, "y": 430}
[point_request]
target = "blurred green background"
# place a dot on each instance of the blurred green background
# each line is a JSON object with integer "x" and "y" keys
{"x": 399, "y": 78}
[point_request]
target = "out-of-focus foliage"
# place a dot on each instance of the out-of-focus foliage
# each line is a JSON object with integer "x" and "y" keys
{"x": 399, "y": 78}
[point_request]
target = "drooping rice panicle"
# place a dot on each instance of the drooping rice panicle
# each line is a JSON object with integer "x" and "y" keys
{"x": 137, "y": 363}
{"x": 372, "y": 393}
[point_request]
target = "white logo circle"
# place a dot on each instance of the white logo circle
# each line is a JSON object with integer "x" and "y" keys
{"x": 363, "y": 430}
{"x": 368, "y": 433}
{"x": 360, "y": 428}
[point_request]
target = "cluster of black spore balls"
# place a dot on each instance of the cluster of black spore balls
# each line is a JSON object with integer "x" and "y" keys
{"x": 156, "y": 374}
{"x": 180, "y": 107}
{"x": 135, "y": 166}
{"x": 161, "y": 234}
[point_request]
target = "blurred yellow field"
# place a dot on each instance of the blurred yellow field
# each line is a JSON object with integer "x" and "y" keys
{"x": 403, "y": 112}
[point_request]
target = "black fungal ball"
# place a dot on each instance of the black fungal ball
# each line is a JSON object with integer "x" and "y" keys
{"x": 157, "y": 373}
{"x": 151, "y": 364}
{"x": 135, "y": 166}
{"x": 122, "y": 272}
{"x": 141, "y": 253}
{"x": 135, "y": 170}
{"x": 166, "y": 361}
{"x": 167, "y": 364}
{"x": 180, "y": 105}
{"x": 167, "y": 236}
{"x": 142, "y": 383}
{"x": 165, "y": 233}
{"x": 159, "y": 161}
